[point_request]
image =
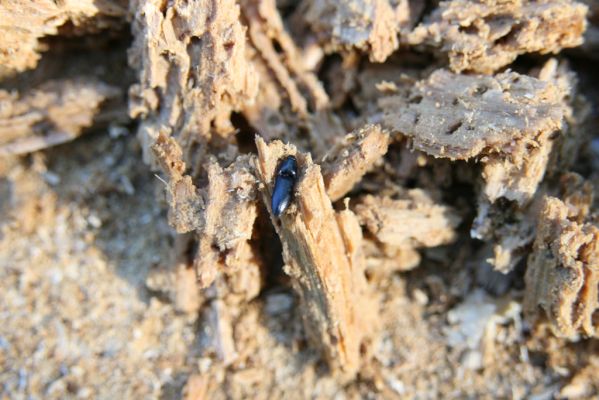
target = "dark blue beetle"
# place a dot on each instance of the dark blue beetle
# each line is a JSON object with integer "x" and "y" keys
{"x": 284, "y": 182}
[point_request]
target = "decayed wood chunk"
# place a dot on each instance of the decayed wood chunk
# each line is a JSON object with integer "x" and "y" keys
{"x": 368, "y": 25}
{"x": 185, "y": 202}
{"x": 382, "y": 260}
{"x": 562, "y": 278}
{"x": 222, "y": 214}
{"x": 507, "y": 228}
{"x": 412, "y": 220}
{"x": 512, "y": 229}
{"x": 348, "y": 161}
{"x": 319, "y": 248}
{"x": 291, "y": 103}
{"x": 267, "y": 34}
{"x": 25, "y": 22}
{"x": 485, "y": 35}
{"x": 229, "y": 215}
{"x": 55, "y": 112}
{"x": 517, "y": 177}
{"x": 194, "y": 72}
{"x": 461, "y": 116}
{"x": 506, "y": 121}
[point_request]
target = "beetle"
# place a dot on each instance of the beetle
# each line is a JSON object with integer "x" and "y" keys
{"x": 285, "y": 179}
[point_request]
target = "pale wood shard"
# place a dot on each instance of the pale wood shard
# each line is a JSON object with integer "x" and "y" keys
{"x": 562, "y": 277}
{"x": 512, "y": 229}
{"x": 291, "y": 101}
{"x": 276, "y": 47}
{"x": 382, "y": 260}
{"x": 486, "y": 35}
{"x": 461, "y": 116}
{"x": 229, "y": 214}
{"x": 412, "y": 220}
{"x": 319, "y": 248}
{"x": 371, "y": 26}
{"x": 55, "y": 112}
{"x": 221, "y": 214}
{"x": 347, "y": 162}
{"x": 193, "y": 72}
{"x": 26, "y": 22}
{"x": 185, "y": 202}
{"x": 506, "y": 121}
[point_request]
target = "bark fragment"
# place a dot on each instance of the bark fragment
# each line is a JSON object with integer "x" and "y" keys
{"x": 25, "y": 22}
{"x": 371, "y": 26}
{"x": 291, "y": 103}
{"x": 193, "y": 72}
{"x": 319, "y": 248}
{"x": 413, "y": 220}
{"x": 505, "y": 121}
{"x": 562, "y": 278}
{"x": 222, "y": 214}
{"x": 347, "y": 162}
{"x": 267, "y": 34}
{"x": 55, "y": 112}
{"x": 484, "y": 35}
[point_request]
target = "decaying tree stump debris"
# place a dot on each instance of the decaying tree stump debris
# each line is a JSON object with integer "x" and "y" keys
{"x": 371, "y": 26}
{"x": 505, "y": 121}
{"x": 563, "y": 269}
{"x": 56, "y": 112}
{"x": 458, "y": 137}
{"x": 322, "y": 252}
{"x": 485, "y": 35}
{"x": 25, "y": 23}
{"x": 346, "y": 163}
{"x": 200, "y": 64}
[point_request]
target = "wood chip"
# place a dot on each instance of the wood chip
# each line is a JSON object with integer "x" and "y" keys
{"x": 193, "y": 72}
{"x": 26, "y": 22}
{"x": 413, "y": 220}
{"x": 562, "y": 277}
{"x": 55, "y": 112}
{"x": 484, "y": 36}
{"x": 346, "y": 163}
{"x": 318, "y": 248}
{"x": 369, "y": 25}
{"x": 506, "y": 121}
{"x": 221, "y": 214}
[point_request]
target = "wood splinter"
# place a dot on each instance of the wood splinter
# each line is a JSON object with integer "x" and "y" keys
{"x": 322, "y": 252}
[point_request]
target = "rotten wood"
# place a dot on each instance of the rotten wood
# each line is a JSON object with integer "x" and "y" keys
{"x": 56, "y": 112}
{"x": 25, "y": 23}
{"x": 371, "y": 26}
{"x": 562, "y": 278}
{"x": 484, "y": 36}
{"x": 506, "y": 122}
{"x": 177, "y": 97}
{"x": 346, "y": 163}
{"x": 411, "y": 220}
{"x": 318, "y": 248}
